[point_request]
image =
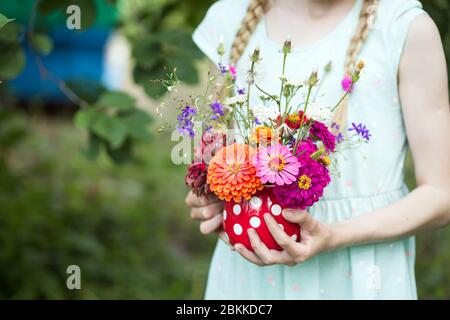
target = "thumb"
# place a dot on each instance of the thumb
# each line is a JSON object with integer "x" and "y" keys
{"x": 301, "y": 217}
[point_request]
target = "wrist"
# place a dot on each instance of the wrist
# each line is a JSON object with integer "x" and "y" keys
{"x": 339, "y": 236}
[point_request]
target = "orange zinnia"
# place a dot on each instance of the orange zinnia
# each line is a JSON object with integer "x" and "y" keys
{"x": 231, "y": 175}
{"x": 263, "y": 135}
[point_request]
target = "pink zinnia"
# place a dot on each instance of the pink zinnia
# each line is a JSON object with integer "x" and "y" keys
{"x": 276, "y": 164}
{"x": 347, "y": 83}
{"x": 311, "y": 180}
{"x": 320, "y": 130}
{"x": 306, "y": 147}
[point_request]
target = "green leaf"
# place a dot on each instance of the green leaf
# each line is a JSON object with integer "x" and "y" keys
{"x": 43, "y": 43}
{"x": 48, "y": 6}
{"x": 111, "y": 129}
{"x": 117, "y": 100}
{"x": 4, "y": 20}
{"x": 123, "y": 154}
{"x": 92, "y": 150}
{"x": 12, "y": 62}
{"x": 137, "y": 124}
{"x": 85, "y": 118}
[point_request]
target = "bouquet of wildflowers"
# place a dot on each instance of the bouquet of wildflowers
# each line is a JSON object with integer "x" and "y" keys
{"x": 277, "y": 145}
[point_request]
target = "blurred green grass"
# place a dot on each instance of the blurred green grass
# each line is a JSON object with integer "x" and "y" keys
{"x": 126, "y": 227}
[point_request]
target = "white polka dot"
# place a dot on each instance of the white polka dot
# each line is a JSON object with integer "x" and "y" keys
{"x": 255, "y": 202}
{"x": 255, "y": 222}
{"x": 226, "y": 236}
{"x": 237, "y": 229}
{"x": 294, "y": 237}
{"x": 224, "y": 214}
{"x": 276, "y": 209}
{"x": 236, "y": 209}
{"x": 281, "y": 226}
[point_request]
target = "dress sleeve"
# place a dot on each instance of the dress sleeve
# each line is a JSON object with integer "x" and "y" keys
{"x": 221, "y": 22}
{"x": 398, "y": 17}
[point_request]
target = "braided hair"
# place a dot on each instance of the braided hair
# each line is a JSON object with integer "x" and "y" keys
{"x": 256, "y": 10}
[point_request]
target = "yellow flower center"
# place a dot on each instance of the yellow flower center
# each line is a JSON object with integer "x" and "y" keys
{"x": 277, "y": 163}
{"x": 304, "y": 182}
{"x": 234, "y": 168}
{"x": 325, "y": 160}
{"x": 294, "y": 118}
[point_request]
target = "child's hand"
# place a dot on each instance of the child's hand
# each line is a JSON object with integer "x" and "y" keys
{"x": 207, "y": 210}
{"x": 315, "y": 238}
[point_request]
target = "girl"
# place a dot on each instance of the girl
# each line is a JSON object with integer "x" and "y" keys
{"x": 357, "y": 242}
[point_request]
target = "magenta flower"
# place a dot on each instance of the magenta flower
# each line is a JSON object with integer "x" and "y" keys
{"x": 232, "y": 71}
{"x": 306, "y": 147}
{"x": 276, "y": 164}
{"x": 311, "y": 180}
{"x": 347, "y": 83}
{"x": 320, "y": 131}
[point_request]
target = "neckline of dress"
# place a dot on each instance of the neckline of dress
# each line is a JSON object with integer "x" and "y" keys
{"x": 350, "y": 15}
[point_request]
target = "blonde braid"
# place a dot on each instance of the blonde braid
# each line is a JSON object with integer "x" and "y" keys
{"x": 366, "y": 21}
{"x": 255, "y": 11}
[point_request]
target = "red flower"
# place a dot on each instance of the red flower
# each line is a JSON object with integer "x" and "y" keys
{"x": 196, "y": 179}
{"x": 293, "y": 120}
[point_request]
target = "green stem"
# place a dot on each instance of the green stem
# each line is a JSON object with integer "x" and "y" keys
{"x": 249, "y": 86}
{"x": 302, "y": 118}
{"x": 340, "y": 101}
{"x": 282, "y": 81}
{"x": 267, "y": 94}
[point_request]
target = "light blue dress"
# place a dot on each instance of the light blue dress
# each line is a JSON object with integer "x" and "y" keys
{"x": 371, "y": 177}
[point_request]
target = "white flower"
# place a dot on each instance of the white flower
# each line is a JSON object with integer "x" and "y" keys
{"x": 237, "y": 99}
{"x": 316, "y": 112}
{"x": 265, "y": 113}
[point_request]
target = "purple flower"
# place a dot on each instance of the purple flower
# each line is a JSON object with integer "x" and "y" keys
{"x": 361, "y": 130}
{"x": 335, "y": 126}
{"x": 257, "y": 122}
{"x": 320, "y": 131}
{"x": 217, "y": 110}
{"x": 339, "y": 137}
{"x": 240, "y": 91}
{"x": 223, "y": 69}
{"x": 185, "y": 124}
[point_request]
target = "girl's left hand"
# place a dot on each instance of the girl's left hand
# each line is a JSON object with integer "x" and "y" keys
{"x": 316, "y": 237}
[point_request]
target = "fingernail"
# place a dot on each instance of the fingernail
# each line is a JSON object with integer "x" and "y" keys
{"x": 288, "y": 212}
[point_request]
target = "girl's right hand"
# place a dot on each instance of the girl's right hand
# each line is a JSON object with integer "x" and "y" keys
{"x": 207, "y": 210}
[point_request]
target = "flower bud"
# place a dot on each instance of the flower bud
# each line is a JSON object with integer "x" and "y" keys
{"x": 360, "y": 65}
{"x": 328, "y": 67}
{"x": 313, "y": 79}
{"x": 220, "y": 48}
{"x": 255, "y": 55}
{"x": 287, "y": 46}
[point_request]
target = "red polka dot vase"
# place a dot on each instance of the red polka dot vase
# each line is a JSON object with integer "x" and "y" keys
{"x": 238, "y": 217}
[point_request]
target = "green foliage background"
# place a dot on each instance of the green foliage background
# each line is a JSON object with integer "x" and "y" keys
{"x": 125, "y": 225}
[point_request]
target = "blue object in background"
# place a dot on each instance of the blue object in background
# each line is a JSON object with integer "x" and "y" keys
{"x": 77, "y": 57}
